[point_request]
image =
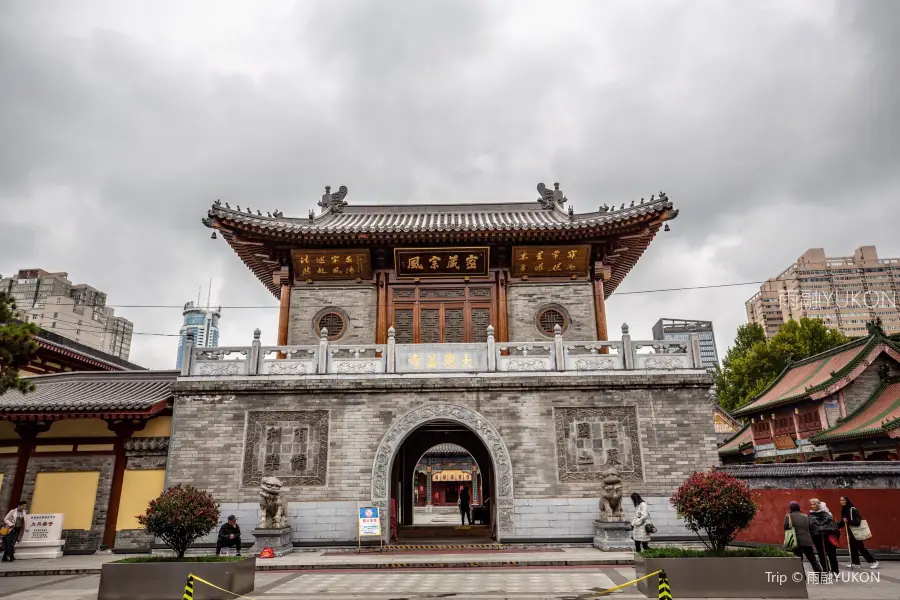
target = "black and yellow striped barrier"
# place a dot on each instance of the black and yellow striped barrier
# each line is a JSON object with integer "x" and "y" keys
{"x": 665, "y": 592}
{"x": 189, "y": 588}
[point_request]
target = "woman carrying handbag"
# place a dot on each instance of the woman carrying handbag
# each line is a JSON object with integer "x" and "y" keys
{"x": 825, "y": 534}
{"x": 857, "y": 531}
{"x": 797, "y": 538}
{"x": 641, "y": 526}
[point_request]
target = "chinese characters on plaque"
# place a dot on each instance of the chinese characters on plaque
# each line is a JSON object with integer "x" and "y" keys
{"x": 418, "y": 358}
{"x": 324, "y": 265}
{"x": 441, "y": 262}
{"x": 551, "y": 261}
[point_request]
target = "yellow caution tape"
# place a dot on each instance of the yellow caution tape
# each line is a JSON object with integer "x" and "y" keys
{"x": 190, "y": 586}
{"x": 619, "y": 587}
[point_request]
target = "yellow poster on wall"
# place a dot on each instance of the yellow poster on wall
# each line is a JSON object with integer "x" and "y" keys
{"x": 73, "y": 494}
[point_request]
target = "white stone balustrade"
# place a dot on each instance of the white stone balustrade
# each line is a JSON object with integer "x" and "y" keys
{"x": 326, "y": 358}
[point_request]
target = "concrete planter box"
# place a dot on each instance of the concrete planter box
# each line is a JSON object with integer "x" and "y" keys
{"x": 724, "y": 577}
{"x": 166, "y": 580}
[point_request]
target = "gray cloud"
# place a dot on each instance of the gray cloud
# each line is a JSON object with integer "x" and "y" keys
{"x": 773, "y": 127}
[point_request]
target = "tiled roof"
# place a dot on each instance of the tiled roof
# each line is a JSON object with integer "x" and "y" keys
{"x": 518, "y": 222}
{"x": 820, "y": 375}
{"x": 811, "y": 469}
{"x": 879, "y": 415}
{"x": 439, "y": 218}
{"x": 97, "y": 358}
{"x": 85, "y": 392}
{"x": 447, "y": 449}
{"x": 735, "y": 444}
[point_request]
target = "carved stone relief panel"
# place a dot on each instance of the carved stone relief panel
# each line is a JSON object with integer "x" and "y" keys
{"x": 289, "y": 445}
{"x": 591, "y": 440}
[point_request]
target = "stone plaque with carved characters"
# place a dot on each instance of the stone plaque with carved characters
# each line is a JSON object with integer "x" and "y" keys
{"x": 289, "y": 445}
{"x": 591, "y": 440}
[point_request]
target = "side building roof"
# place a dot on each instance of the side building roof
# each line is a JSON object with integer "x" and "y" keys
{"x": 114, "y": 394}
{"x": 738, "y": 442}
{"x": 878, "y": 416}
{"x": 823, "y": 374}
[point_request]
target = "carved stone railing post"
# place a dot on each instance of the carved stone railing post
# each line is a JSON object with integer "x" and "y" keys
{"x": 253, "y": 367}
{"x": 322, "y": 366}
{"x": 559, "y": 356}
{"x": 627, "y": 348}
{"x": 696, "y": 357}
{"x": 491, "y": 349}
{"x": 187, "y": 355}
{"x": 389, "y": 357}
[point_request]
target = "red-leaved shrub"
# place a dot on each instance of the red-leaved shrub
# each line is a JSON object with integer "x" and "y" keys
{"x": 716, "y": 503}
{"x": 181, "y": 515}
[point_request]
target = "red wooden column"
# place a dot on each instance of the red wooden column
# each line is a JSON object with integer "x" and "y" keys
{"x": 123, "y": 430}
{"x": 28, "y": 432}
{"x": 381, "y": 290}
{"x": 284, "y": 309}
{"x": 502, "y": 333}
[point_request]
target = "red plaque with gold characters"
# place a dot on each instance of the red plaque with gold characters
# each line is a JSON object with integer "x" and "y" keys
{"x": 331, "y": 265}
{"x": 551, "y": 261}
{"x": 441, "y": 262}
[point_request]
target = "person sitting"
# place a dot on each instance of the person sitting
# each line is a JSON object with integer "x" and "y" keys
{"x": 229, "y": 536}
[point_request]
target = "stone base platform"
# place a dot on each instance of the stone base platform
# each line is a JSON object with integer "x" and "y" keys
{"x": 612, "y": 537}
{"x": 279, "y": 540}
{"x": 26, "y": 550}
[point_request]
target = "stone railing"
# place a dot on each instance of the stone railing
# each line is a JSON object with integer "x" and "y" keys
{"x": 554, "y": 354}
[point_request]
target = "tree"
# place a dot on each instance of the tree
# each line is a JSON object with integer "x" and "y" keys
{"x": 716, "y": 503}
{"x": 754, "y": 362}
{"x": 17, "y": 347}
{"x": 180, "y": 516}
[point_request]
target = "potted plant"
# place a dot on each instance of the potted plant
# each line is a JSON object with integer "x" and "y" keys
{"x": 179, "y": 516}
{"x": 720, "y": 506}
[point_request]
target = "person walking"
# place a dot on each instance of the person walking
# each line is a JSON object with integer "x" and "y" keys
{"x": 799, "y": 522}
{"x": 641, "y": 526}
{"x": 229, "y": 536}
{"x": 464, "y": 505}
{"x": 824, "y": 533}
{"x": 853, "y": 522}
{"x": 14, "y": 523}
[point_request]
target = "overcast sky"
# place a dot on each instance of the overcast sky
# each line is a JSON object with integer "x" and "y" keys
{"x": 773, "y": 126}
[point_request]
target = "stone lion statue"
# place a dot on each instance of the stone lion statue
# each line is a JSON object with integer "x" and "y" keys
{"x": 271, "y": 505}
{"x": 611, "y": 498}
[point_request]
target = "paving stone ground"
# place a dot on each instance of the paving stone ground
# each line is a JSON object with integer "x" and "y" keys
{"x": 423, "y": 584}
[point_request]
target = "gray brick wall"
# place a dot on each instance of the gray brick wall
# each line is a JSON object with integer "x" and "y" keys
{"x": 674, "y": 422}
{"x": 358, "y": 301}
{"x": 77, "y": 541}
{"x": 526, "y": 299}
{"x": 862, "y": 388}
{"x": 8, "y": 468}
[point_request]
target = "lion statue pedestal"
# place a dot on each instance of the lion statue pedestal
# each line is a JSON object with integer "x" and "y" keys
{"x": 273, "y": 531}
{"x": 612, "y": 532}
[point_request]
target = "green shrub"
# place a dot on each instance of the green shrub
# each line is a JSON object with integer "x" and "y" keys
{"x": 180, "y": 516}
{"x": 758, "y": 551}
{"x": 715, "y": 503}
{"x": 149, "y": 558}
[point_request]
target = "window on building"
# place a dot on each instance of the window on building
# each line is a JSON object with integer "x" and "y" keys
{"x": 334, "y": 323}
{"x": 549, "y": 318}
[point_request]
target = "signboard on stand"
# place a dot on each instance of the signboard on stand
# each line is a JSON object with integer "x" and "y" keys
{"x": 369, "y": 525}
{"x": 41, "y": 538}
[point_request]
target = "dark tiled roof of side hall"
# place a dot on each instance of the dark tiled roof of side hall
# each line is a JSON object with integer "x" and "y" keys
{"x": 87, "y": 391}
{"x": 47, "y": 338}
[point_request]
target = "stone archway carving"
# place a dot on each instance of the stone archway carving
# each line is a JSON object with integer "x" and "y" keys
{"x": 487, "y": 433}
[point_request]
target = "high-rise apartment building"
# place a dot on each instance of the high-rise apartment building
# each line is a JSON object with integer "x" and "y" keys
{"x": 202, "y": 324}
{"x": 74, "y": 311}
{"x": 681, "y": 329}
{"x": 844, "y": 292}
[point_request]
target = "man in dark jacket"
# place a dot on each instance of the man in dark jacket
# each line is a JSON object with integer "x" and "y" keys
{"x": 464, "y": 505}
{"x": 229, "y": 536}
{"x": 800, "y": 524}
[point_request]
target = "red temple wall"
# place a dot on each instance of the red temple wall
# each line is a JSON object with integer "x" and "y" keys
{"x": 878, "y": 506}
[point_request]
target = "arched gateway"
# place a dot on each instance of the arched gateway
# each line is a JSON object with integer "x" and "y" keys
{"x": 478, "y": 424}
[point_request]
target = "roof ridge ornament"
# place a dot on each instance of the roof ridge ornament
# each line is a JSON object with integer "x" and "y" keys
{"x": 874, "y": 327}
{"x": 550, "y": 199}
{"x": 334, "y": 202}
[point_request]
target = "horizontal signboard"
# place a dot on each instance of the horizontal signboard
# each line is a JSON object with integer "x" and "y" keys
{"x": 330, "y": 265}
{"x": 551, "y": 261}
{"x": 441, "y": 262}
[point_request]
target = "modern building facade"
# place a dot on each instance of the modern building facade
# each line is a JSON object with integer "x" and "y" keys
{"x": 202, "y": 324}
{"x": 681, "y": 329}
{"x": 844, "y": 292}
{"x": 74, "y": 311}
